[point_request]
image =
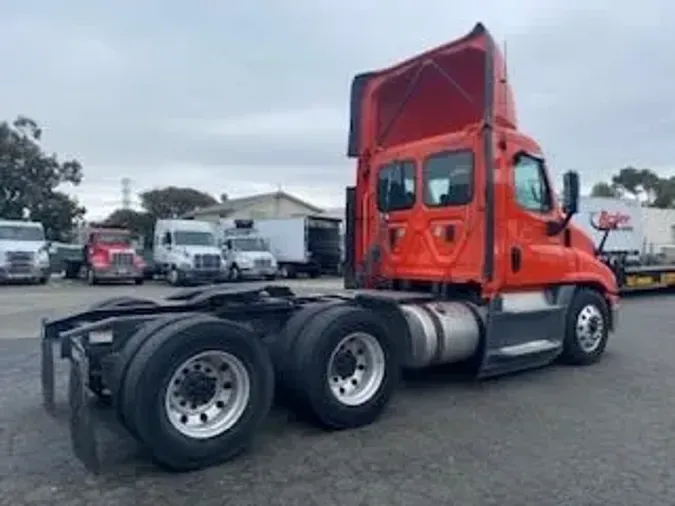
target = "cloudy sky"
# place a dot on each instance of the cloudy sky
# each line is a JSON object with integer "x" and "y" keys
{"x": 240, "y": 96}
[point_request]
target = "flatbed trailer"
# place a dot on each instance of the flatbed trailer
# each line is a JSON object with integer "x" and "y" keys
{"x": 456, "y": 252}
{"x": 634, "y": 278}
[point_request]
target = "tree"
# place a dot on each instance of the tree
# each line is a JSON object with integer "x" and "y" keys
{"x": 140, "y": 223}
{"x": 603, "y": 189}
{"x": 638, "y": 183}
{"x": 174, "y": 202}
{"x": 642, "y": 184}
{"x": 29, "y": 180}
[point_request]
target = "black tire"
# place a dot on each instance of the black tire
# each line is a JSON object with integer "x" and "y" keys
{"x": 271, "y": 277}
{"x": 282, "y": 347}
{"x": 235, "y": 273}
{"x": 173, "y": 277}
{"x": 139, "y": 281}
{"x": 125, "y": 393}
{"x": 574, "y": 352}
{"x": 151, "y": 369}
{"x": 43, "y": 280}
{"x": 314, "y": 273}
{"x": 310, "y": 356}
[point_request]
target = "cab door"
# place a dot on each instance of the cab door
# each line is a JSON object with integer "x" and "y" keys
{"x": 534, "y": 257}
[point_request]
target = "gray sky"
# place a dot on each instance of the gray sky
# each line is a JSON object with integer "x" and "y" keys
{"x": 239, "y": 96}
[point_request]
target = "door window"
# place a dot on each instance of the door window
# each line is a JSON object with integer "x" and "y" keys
{"x": 531, "y": 188}
{"x": 448, "y": 178}
{"x": 396, "y": 186}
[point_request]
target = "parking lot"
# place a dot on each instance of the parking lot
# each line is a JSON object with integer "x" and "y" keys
{"x": 601, "y": 435}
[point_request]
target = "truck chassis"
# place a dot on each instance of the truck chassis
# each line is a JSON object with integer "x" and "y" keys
{"x": 192, "y": 377}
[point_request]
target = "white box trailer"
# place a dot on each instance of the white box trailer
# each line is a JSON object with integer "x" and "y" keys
{"x": 599, "y": 212}
{"x": 304, "y": 244}
{"x": 625, "y": 246}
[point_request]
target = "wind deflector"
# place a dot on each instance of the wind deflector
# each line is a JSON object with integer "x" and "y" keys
{"x": 440, "y": 91}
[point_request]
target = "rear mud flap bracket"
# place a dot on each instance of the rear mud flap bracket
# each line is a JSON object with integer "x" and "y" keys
{"x": 81, "y": 418}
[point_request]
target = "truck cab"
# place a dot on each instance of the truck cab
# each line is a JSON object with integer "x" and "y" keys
{"x": 450, "y": 193}
{"x": 24, "y": 255}
{"x": 247, "y": 252}
{"x": 108, "y": 254}
{"x": 187, "y": 251}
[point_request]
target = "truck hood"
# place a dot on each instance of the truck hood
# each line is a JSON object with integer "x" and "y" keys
{"x": 32, "y": 246}
{"x": 441, "y": 91}
{"x": 196, "y": 250}
{"x": 252, "y": 256}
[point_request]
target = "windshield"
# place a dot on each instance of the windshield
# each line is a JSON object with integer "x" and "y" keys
{"x": 249, "y": 244}
{"x": 192, "y": 238}
{"x": 21, "y": 233}
{"x": 112, "y": 238}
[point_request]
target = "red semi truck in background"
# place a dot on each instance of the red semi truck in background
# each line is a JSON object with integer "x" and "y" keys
{"x": 107, "y": 255}
{"x": 456, "y": 252}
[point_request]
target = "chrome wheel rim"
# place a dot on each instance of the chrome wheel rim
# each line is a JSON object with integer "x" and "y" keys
{"x": 356, "y": 369}
{"x": 590, "y": 328}
{"x": 207, "y": 394}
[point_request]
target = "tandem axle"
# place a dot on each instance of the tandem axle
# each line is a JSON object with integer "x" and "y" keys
{"x": 192, "y": 377}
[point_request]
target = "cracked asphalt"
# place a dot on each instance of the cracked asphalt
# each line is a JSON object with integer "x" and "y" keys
{"x": 601, "y": 435}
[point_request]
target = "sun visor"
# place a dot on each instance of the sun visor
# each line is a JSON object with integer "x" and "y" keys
{"x": 438, "y": 92}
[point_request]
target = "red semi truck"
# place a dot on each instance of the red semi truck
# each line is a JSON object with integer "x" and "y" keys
{"x": 107, "y": 255}
{"x": 457, "y": 251}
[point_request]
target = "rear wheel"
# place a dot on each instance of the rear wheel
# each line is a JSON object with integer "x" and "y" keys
{"x": 345, "y": 367}
{"x": 202, "y": 386}
{"x": 587, "y": 328}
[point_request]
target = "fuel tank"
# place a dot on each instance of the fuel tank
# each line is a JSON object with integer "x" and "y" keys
{"x": 441, "y": 332}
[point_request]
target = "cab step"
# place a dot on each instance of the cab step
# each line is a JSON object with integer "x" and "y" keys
{"x": 523, "y": 331}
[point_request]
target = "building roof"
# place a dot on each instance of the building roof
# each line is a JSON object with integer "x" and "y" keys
{"x": 233, "y": 205}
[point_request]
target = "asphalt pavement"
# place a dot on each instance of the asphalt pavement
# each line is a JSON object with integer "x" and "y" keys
{"x": 601, "y": 435}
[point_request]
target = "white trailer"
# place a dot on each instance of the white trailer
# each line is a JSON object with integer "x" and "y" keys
{"x": 625, "y": 245}
{"x": 304, "y": 244}
{"x": 597, "y": 213}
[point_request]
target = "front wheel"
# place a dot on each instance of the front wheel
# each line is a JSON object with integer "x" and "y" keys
{"x": 587, "y": 328}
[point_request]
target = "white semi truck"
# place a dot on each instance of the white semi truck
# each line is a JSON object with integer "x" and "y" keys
{"x": 247, "y": 251}
{"x": 188, "y": 251}
{"x": 24, "y": 254}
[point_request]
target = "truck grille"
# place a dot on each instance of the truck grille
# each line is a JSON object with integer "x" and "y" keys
{"x": 20, "y": 262}
{"x": 122, "y": 259}
{"x": 207, "y": 261}
{"x": 262, "y": 262}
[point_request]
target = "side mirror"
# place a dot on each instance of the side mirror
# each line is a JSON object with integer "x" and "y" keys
{"x": 571, "y": 192}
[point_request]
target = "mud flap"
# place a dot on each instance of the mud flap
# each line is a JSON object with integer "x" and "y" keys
{"x": 81, "y": 420}
{"x": 47, "y": 370}
{"x": 526, "y": 335}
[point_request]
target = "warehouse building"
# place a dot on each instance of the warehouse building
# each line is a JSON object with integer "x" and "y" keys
{"x": 277, "y": 204}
